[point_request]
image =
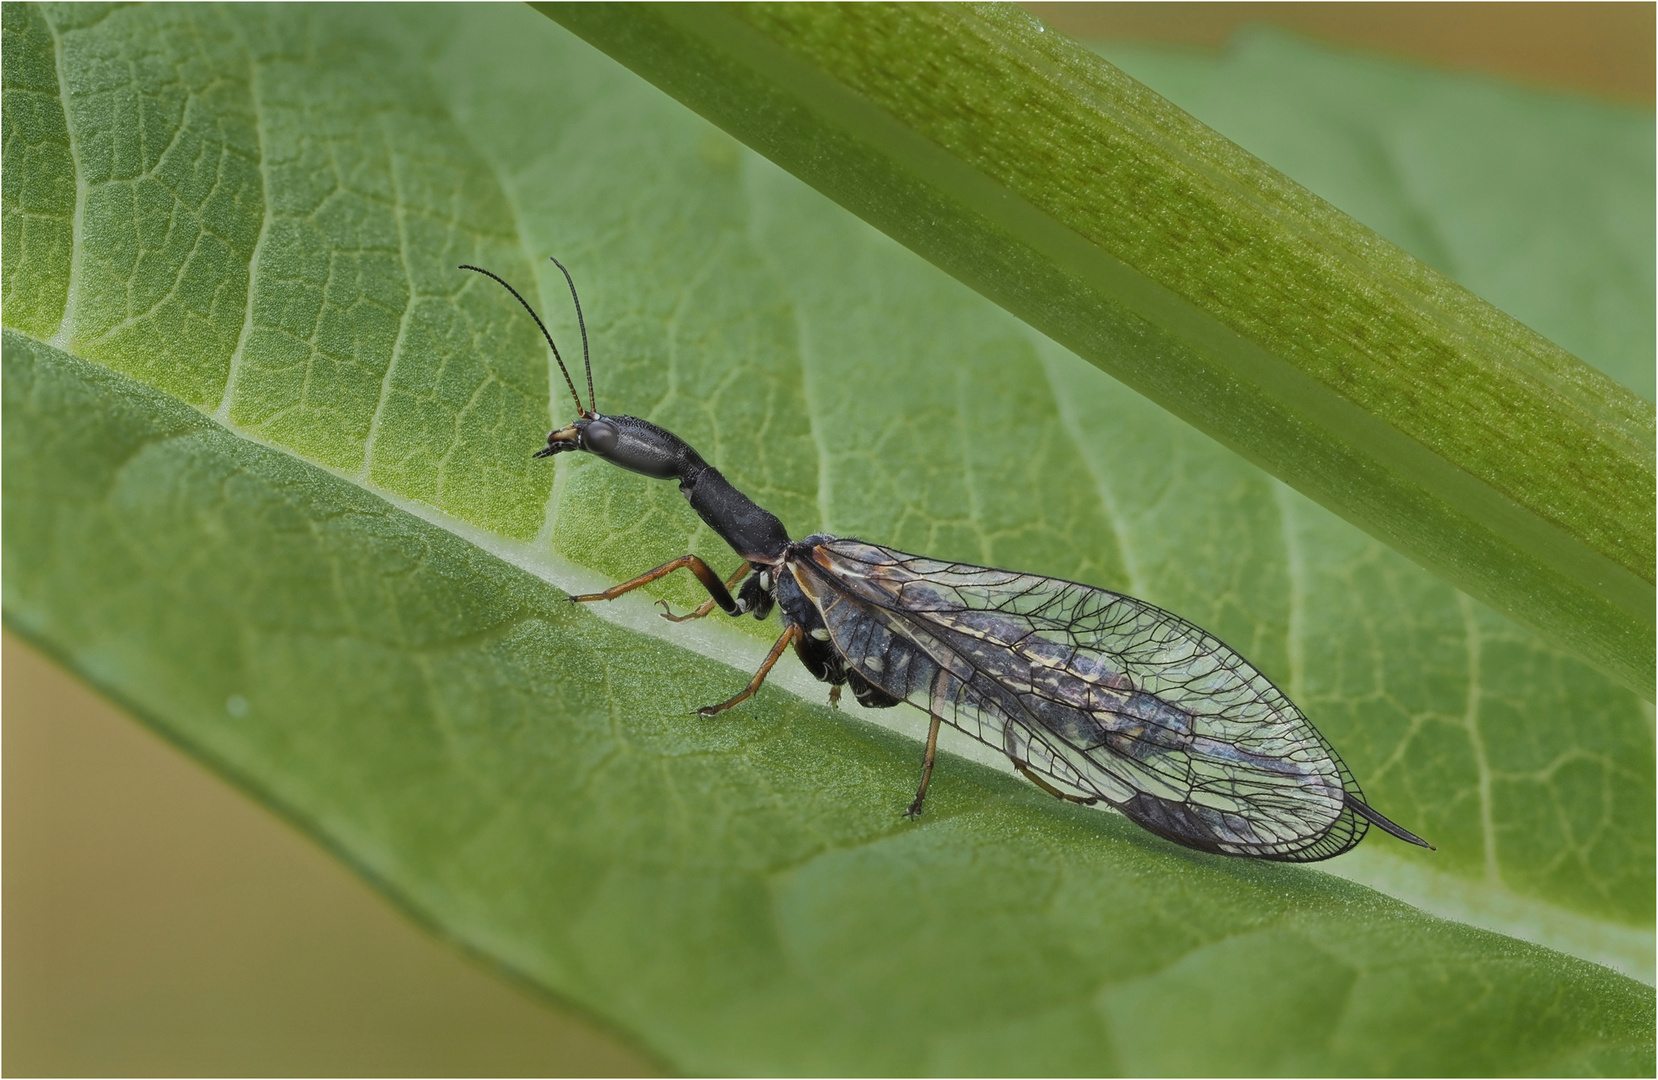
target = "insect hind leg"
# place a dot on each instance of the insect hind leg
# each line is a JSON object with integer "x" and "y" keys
{"x": 1025, "y": 771}
{"x": 926, "y": 770}
{"x": 944, "y": 685}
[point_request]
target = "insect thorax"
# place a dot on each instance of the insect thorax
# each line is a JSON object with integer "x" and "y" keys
{"x": 752, "y": 531}
{"x": 817, "y": 651}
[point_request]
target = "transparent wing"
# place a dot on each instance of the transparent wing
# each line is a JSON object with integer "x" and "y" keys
{"x": 1108, "y": 696}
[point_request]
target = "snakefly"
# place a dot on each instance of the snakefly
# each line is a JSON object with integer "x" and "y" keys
{"x": 1096, "y": 697}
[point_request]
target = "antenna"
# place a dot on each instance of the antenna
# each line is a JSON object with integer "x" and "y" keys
{"x": 585, "y": 359}
{"x": 567, "y": 380}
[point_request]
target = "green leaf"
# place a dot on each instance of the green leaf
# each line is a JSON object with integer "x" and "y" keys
{"x": 334, "y": 575}
{"x": 1445, "y": 165}
{"x": 1109, "y": 219}
{"x": 39, "y": 184}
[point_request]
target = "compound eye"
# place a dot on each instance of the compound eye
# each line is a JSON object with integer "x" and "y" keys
{"x": 599, "y": 436}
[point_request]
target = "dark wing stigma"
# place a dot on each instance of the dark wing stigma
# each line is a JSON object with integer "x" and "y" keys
{"x": 1107, "y": 697}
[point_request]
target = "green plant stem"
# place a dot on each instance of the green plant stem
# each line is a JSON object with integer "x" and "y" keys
{"x": 1076, "y": 198}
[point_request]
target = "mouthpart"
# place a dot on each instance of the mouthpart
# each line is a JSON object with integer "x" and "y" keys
{"x": 565, "y": 438}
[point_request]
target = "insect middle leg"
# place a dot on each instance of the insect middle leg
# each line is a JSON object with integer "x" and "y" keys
{"x": 710, "y": 581}
{"x": 790, "y": 636}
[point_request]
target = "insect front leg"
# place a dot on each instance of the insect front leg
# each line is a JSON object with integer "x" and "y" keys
{"x": 707, "y": 605}
{"x": 790, "y": 636}
{"x": 710, "y": 581}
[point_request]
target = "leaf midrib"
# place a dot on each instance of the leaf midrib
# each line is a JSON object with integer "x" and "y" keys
{"x": 60, "y": 340}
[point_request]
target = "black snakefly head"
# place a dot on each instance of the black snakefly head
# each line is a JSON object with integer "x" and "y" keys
{"x": 1094, "y": 696}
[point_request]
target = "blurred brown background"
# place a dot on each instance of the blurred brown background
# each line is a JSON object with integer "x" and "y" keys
{"x": 157, "y": 922}
{"x": 1601, "y": 49}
